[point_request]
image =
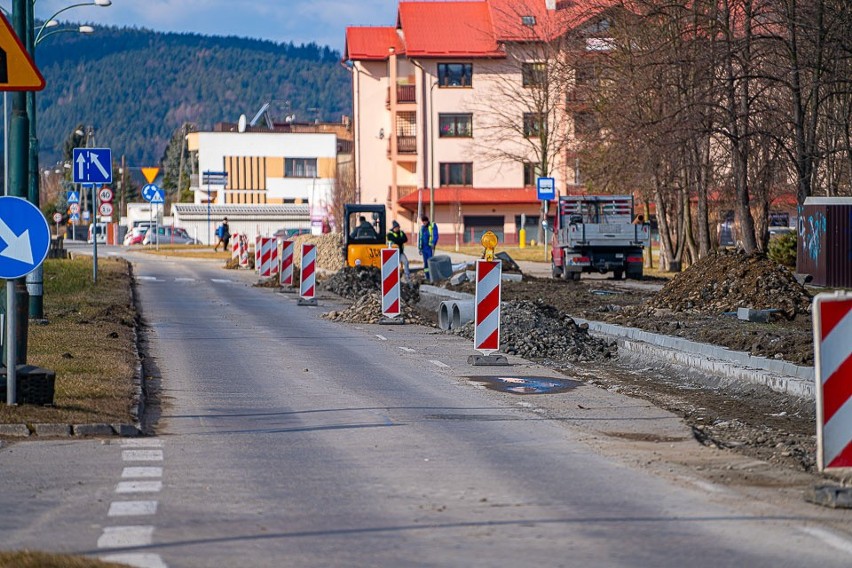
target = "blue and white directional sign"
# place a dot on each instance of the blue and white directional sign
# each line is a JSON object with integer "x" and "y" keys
{"x": 74, "y": 217}
{"x": 153, "y": 194}
{"x": 73, "y": 197}
{"x": 545, "y": 188}
{"x": 25, "y": 237}
{"x": 92, "y": 165}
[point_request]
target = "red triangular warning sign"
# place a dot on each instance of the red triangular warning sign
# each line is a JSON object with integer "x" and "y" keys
{"x": 17, "y": 70}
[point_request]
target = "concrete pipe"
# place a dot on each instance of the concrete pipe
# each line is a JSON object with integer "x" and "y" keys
{"x": 462, "y": 313}
{"x": 445, "y": 311}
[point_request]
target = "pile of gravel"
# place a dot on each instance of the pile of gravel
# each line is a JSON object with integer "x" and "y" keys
{"x": 368, "y": 309}
{"x": 535, "y": 330}
{"x": 726, "y": 280}
{"x": 355, "y": 282}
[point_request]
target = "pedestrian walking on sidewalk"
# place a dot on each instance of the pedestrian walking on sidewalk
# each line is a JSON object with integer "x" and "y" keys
{"x": 396, "y": 236}
{"x": 427, "y": 242}
{"x": 223, "y": 234}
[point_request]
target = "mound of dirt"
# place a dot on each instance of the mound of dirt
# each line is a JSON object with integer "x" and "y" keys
{"x": 355, "y": 282}
{"x": 329, "y": 247}
{"x": 535, "y": 330}
{"x": 368, "y": 309}
{"x": 725, "y": 281}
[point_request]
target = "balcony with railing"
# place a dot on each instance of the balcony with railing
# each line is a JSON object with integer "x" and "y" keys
{"x": 405, "y": 95}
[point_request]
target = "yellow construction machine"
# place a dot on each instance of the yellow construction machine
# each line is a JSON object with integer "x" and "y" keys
{"x": 364, "y": 234}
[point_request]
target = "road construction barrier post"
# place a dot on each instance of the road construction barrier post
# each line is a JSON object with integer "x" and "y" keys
{"x": 286, "y": 271}
{"x": 391, "y": 307}
{"x": 257, "y": 253}
{"x": 235, "y": 247}
{"x": 486, "y": 334}
{"x": 832, "y": 314}
{"x": 268, "y": 257}
{"x": 307, "y": 288}
{"x": 244, "y": 256}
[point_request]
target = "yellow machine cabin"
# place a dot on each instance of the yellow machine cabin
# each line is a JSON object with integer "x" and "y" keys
{"x": 364, "y": 234}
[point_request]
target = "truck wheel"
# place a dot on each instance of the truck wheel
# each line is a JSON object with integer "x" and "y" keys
{"x": 556, "y": 271}
{"x": 617, "y": 274}
{"x": 575, "y": 276}
{"x": 634, "y": 275}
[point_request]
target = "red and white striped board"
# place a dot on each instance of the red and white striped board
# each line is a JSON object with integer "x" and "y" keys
{"x": 257, "y": 253}
{"x": 390, "y": 283}
{"x": 286, "y": 271}
{"x": 244, "y": 256}
{"x": 832, "y": 315}
{"x": 235, "y": 246}
{"x": 307, "y": 288}
{"x": 486, "y": 334}
{"x": 268, "y": 257}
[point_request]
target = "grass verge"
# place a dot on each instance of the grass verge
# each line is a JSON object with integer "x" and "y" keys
{"x": 89, "y": 341}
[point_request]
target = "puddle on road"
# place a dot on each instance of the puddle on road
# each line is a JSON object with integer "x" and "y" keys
{"x": 526, "y": 385}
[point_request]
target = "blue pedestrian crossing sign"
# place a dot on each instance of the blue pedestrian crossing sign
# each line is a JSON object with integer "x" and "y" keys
{"x": 92, "y": 165}
{"x": 73, "y": 197}
{"x": 153, "y": 194}
{"x": 24, "y": 237}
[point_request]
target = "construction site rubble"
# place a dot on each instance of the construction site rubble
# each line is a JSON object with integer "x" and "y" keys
{"x": 725, "y": 281}
{"x": 535, "y": 330}
{"x": 329, "y": 250}
{"x": 368, "y": 309}
{"x": 355, "y": 282}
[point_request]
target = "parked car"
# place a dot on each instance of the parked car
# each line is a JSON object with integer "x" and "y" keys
{"x": 168, "y": 235}
{"x": 135, "y": 236}
{"x": 289, "y": 233}
{"x": 100, "y": 229}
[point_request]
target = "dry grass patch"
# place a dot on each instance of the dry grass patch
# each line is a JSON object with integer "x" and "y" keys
{"x": 188, "y": 251}
{"x": 26, "y": 559}
{"x": 89, "y": 341}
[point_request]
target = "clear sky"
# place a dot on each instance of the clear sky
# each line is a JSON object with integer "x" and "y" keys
{"x": 299, "y": 21}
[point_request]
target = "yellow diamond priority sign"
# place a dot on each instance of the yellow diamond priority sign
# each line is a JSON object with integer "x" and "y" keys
{"x": 17, "y": 70}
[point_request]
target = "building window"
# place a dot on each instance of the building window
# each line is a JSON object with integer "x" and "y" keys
{"x": 455, "y": 74}
{"x": 532, "y": 124}
{"x": 455, "y": 125}
{"x": 532, "y": 74}
{"x": 586, "y": 125}
{"x": 300, "y": 167}
{"x": 531, "y": 173}
{"x": 528, "y": 21}
{"x": 460, "y": 173}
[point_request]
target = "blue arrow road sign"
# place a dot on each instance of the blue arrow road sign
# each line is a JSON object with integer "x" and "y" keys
{"x": 92, "y": 165}
{"x": 25, "y": 237}
{"x": 152, "y": 194}
{"x": 73, "y": 197}
{"x": 545, "y": 188}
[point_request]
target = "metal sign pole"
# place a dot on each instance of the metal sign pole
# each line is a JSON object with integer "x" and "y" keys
{"x": 11, "y": 344}
{"x": 94, "y": 235}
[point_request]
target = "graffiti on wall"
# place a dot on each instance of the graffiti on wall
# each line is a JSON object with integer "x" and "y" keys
{"x": 812, "y": 233}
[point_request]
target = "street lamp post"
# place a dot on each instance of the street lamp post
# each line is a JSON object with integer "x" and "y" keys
{"x": 35, "y": 279}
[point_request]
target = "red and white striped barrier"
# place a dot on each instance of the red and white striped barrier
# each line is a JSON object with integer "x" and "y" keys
{"x": 235, "y": 246}
{"x": 257, "y": 253}
{"x": 286, "y": 271}
{"x": 390, "y": 283}
{"x": 244, "y": 256}
{"x": 832, "y": 315}
{"x": 268, "y": 257}
{"x": 307, "y": 288}
{"x": 486, "y": 334}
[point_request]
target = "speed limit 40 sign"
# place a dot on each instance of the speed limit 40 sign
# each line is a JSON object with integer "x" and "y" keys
{"x": 57, "y": 217}
{"x": 105, "y": 194}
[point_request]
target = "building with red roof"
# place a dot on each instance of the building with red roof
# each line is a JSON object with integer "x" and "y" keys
{"x": 445, "y": 120}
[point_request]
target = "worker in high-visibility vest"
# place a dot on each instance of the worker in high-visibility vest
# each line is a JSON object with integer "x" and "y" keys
{"x": 427, "y": 241}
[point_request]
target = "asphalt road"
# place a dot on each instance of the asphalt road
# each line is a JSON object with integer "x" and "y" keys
{"x": 283, "y": 439}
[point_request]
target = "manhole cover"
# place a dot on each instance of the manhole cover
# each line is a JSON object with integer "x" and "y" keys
{"x": 526, "y": 385}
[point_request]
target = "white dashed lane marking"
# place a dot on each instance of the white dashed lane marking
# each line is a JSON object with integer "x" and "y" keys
{"x": 142, "y": 455}
{"x": 139, "y": 486}
{"x": 121, "y": 537}
{"x": 132, "y": 508}
{"x": 439, "y": 364}
{"x": 142, "y": 472}
{"x": 141, "y": 443}
{"x": 148, "y": 278}
{"x": 184, "y": 279}
{"x": 407, "y": 349}
{"x": 221, "y": 281}
{"x": 381, "y": 337}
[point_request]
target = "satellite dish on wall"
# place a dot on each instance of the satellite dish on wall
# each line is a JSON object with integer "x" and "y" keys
{"x": 241, "y": 125}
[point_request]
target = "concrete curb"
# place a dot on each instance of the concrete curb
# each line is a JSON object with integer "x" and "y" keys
{"x": 731, "y": 366}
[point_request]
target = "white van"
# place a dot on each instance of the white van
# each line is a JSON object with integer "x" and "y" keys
{"x": 100, "y": 230}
